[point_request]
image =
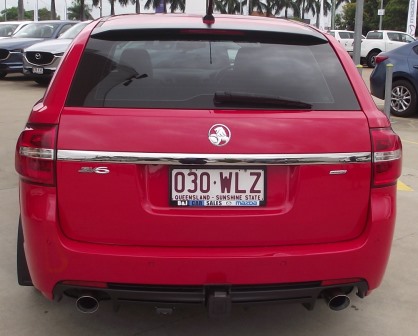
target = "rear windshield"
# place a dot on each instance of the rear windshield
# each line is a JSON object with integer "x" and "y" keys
{"x": 212, "y": 73}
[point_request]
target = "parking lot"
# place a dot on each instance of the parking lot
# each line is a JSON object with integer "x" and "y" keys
{"x": 390, "y": 310}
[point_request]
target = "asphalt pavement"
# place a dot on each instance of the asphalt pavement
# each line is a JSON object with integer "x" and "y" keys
{"x": 390, "y": 310}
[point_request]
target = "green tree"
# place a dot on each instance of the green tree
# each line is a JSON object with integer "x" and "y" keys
{"x": 396, "y": 15}
{"x": 257, "y": 6}
{"x": 348, "y": 15}
{"x": 271, "y": 7}
{"x": 79, "y": 11}
{"x": 12, "y": 14}
{"x": 177, "y": 5}
{"x": 43, "y": 14}
{"x": 306, "y": 6}
{"x": 227, "y": 6}
{"x": 370, "y": 17}
{"x": 286, "y": 5}
{"x": 339, "y": 22}
{"x": 317, "y": 9}
{"x": 155, "y": 3}
{"x": 133, "y": 2}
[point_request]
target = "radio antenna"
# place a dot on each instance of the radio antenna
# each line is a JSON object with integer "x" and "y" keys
{"x": 209, "y": 18}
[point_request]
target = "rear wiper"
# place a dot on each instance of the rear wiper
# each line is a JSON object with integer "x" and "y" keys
{"x": 136, "y": 76}
{"x": 226, "y": 97}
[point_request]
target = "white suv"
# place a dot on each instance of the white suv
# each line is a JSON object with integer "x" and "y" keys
{"x": 345, "y": 38}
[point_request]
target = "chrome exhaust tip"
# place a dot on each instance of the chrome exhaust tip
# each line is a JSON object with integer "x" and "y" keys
{"x": 87, "y": 304}
{"x": 336, "y": 299}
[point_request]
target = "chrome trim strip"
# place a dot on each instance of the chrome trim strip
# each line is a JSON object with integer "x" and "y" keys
{"x": 37, "y": 153}
{"x": 212, "y": 159}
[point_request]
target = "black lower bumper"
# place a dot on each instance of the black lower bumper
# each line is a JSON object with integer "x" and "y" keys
{"x": 305, "y": 293}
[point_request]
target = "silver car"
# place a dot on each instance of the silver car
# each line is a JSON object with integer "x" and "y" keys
{"x": 8, "y": 28}
{"x": 42, "y": 59}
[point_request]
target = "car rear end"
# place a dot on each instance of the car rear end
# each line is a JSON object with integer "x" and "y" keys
{"x": 232, "y": 162}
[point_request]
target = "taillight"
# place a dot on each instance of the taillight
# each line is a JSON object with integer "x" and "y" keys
{"x": 34, "y": 158}
{"x": 380, "y": 58}
{"x": 387, "y": 157}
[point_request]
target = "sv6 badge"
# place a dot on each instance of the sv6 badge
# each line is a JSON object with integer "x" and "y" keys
{"x": 96, "y": 170}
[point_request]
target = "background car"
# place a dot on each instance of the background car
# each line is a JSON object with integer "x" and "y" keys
{"x": 8, "y": 28}
{"x": 42, "y": 59}
{"x": 184, "y": 159}
{"x": 11, "y": 49}
{"x": 404, "y": 102}
{"x": 378, "y": 41}
{"x": 345, "y": 38}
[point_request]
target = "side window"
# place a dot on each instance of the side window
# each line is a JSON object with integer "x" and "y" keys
{"x": 64, "y": 29}
{"x": 332, "y": 33}
{"x": 344, "y": 35}
{"x": 407, "y": 38}
{"x": 393, "y": 37}
{"x": 351, "y": 35}
{"x": 374, "y": 36}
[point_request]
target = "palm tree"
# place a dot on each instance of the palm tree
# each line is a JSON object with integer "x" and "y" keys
{"x": 227, "y": 6}
{"x": 260, "y": 7}
{"x": 112, "y": 7}
{"x": 272, "y": 7}
{"x": 21, "y": 10}
{"x": 286, "y": 5}
{"x": 53, "y": 11}
{"x": 133, "y": 2}
{"x": 306, "y": 6}
{"x": 155, "y": 3}
{"x": 317, "y": 9}
{"x": 174, "y": 5}
{"x": 79, "y": 11}
{"x": 177, "y": 5}
{"x": 137, "y": 6}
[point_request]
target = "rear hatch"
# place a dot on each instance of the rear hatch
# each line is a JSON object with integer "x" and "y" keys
{"x": 206, "y": 144}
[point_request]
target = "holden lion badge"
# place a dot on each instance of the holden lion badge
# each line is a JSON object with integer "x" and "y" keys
{"x": 219, "y": 135}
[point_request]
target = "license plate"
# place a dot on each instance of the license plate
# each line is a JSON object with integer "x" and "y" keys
{"x": 38, "y": 71}
{"x": 212, "y": 187}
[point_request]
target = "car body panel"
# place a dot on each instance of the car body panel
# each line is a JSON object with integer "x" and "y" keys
{"x": 147, "y": 213}
{"x": 107, "y": 217}
{"x": 61, "y": 258}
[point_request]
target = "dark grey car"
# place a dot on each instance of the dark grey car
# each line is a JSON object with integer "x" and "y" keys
{"x": 11, "y": 49}
{"x": 40, "y": 60}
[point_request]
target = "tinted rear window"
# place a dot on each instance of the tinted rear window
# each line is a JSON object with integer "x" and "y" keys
{"x": 186, "y": 73}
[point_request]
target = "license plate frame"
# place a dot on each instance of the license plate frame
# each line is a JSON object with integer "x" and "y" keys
{"x": 38, "y": 70}
{"x": 250, "y": 185}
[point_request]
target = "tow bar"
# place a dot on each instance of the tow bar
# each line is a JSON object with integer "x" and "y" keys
{"x": 218, "y": 302}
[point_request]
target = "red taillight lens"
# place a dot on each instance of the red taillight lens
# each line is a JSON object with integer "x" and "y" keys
{"x": 380, "y": 58}
{"x": 387, "y": 157}
{"x": 35, "y": 154}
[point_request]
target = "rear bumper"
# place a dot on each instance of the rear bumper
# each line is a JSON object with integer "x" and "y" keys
{"x": 304, "y": 293}
{"x": 53, "y": 258}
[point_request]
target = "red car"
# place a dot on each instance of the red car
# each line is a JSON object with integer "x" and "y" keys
{"x": 235, "y": 159}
